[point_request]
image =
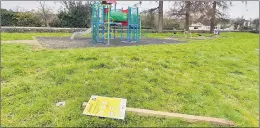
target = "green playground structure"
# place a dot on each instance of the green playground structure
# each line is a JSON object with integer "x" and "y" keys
{"x": 105, "y": 21}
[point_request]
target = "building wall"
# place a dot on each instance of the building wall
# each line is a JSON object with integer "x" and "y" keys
{"x": 203, "y": 27}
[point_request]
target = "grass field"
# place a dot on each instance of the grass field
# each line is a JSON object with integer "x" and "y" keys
{"x": 29, "y": 36}
{"x": 217, "y": 77}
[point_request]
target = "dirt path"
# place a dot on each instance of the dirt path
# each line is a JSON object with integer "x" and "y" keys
{"x": 32, "y": 42}
{"x": 82, "y": 42}
{"x": 36, "y": 45}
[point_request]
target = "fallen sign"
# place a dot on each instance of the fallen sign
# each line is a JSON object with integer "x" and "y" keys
{"x": 105, "y": 107}
{"x": 146, "y": 112}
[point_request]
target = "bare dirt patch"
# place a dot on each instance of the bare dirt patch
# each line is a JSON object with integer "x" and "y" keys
{"x": 81, "y": 42}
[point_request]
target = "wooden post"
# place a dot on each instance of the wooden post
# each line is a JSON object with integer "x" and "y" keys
{"x": 146, "y": 112}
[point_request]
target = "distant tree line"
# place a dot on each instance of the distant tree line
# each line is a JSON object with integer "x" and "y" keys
{"x": 74, "y": 14}
{"x": 182, "y": 13}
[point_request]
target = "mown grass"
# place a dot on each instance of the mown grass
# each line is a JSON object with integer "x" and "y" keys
{"x": 29, "y": 36}
{"x": 171, "y": 34}
{"x": 217, "y": 77}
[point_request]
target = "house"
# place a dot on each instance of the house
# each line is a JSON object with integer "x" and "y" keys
{"x": 230, "y": 27}
{"x": 200, "y": 26}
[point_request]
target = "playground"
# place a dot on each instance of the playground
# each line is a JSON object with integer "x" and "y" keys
{"x": 192, "y": 73}
{"x": 112, "y": 27}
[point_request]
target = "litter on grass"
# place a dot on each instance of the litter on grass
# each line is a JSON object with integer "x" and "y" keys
{"x": 60, "y": 103}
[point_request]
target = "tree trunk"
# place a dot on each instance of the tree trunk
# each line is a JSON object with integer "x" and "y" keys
{"x": 187, "y": 15}
{"x": 213, "y": 17}
{"x": 160, "y": 19}
{"x": 44, "y": 13}
{"x": 45, "y": 22}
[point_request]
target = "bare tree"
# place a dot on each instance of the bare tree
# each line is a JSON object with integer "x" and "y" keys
{"x": 44, "y": 11}
{"x": 213, "y": 16}
{"x": 160, "y": 14}
{"x": 199, "y": 11}
{"x": 187, "y": 15}
{"x": 160, "y": 18}
{"x": 214, "y": 12}
{"x": 224, "y": 5}
{"x": 138, "y": 4}
{"x": 150, "y": 16}
{"x": 183, "y": 10}
{"x": 19, "y": 9}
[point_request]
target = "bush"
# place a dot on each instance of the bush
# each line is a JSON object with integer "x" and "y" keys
{"x": 7, "y": 18}
{"x": 55, "y": 22}
{"x": 256, "y": 24}
{"x": 28, "y": 19}
{"x": 76, "y": 15}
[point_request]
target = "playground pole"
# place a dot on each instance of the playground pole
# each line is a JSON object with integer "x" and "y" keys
{"x": 121, "y": 27}
{"x": 114, "y": 32}
{"x": 108, "y": 24}
{"x": 92, "y": 24}
{"x": 103, "y": 28}
{"x": 137, "y": 26}
{"x": 97, "y": 25}
{"x": 129, "y": 25}
{"x": 140, "y": 27}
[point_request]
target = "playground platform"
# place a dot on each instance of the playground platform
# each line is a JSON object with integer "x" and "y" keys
{"x": 83, "y": 42}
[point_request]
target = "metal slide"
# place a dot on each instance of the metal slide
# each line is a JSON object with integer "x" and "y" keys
{"x": 80, "y": 33}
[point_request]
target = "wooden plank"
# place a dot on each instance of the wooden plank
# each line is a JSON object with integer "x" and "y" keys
{"x": 145, "y": 112}
{"x": 191, "y": 118}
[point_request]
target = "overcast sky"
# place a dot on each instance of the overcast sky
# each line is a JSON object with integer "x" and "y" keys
{"x": 238, "y": 9}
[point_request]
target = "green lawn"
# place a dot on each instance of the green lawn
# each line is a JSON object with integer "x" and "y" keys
{"x": 29, "y": 36}
{"x": 171, "y": 34}
{"x": 217, "y": 77}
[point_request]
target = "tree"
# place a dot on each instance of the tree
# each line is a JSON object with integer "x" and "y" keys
{"x": 44, "y": 12}
{"x": 160, "y": 18}
{"x": 256, "y": 24}
{"x": 213, "y": 16}
{"x": 187, "y": 15}
{"x": 138, "y": 4}
{"x": 7, "y": 18}
{"x": 151, "y": 14}
{"x": 28, "y": 19}
{"x": 185, "y": 10}
{"x": 75, "y": 14}
{"x": 199, "y": 11}
{"x": 149, "y": 17}
{"x": 239, "y": 23}
{"x": 214, "y": 12}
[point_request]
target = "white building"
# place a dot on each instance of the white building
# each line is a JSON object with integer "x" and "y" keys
{"x": 200, "y": 26}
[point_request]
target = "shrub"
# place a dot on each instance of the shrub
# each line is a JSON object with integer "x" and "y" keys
{"x": 55, "y": 22}
{"x": 28, "y": 19}
{"x": 7, "y": 18}
{"x": 76, "y": 14}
